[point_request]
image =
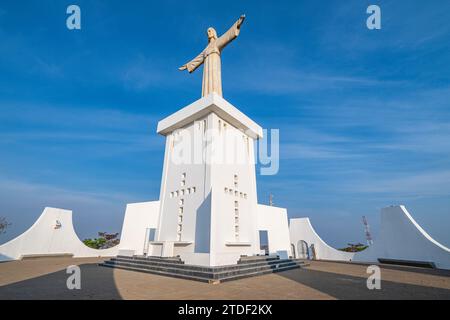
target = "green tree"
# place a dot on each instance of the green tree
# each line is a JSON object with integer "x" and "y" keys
{"x": 104, "y": 241}
{"x": 354, "y": 247}
{"x": 111, "y": 239}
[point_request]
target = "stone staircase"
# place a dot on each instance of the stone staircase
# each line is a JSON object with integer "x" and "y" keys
{"x": 175, "y": 267}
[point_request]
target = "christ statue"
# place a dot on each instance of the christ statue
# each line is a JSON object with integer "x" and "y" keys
{"x": 212, "y": 77}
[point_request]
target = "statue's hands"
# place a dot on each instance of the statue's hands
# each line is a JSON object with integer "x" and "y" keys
{"x": 182, "y": 68}
{"x": 241, "y": 20}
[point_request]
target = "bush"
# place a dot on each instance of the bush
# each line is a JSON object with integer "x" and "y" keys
{"x": 94, "y": 243}
{"x": 354, "y": 247}
{"x": 104, "y": 241}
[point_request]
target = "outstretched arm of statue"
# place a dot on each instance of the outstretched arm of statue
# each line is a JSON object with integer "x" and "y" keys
{"x": 231, "y": 34}
{"x": 193, "y": 64}
{"x": 240, "y": 21}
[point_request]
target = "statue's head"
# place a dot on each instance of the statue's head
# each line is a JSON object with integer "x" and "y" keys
{"x": 212, "y": 34}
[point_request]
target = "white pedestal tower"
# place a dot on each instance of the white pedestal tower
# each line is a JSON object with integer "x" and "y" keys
{"x": 208, "y": 201}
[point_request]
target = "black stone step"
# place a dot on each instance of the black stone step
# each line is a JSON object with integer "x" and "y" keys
{"x": 175, "y": 267}
{"x": 411, "y": 263}
{"x": 154, "y": 263}
{"x": 254, "y": 274}
{"x": 302, "y": 262}
{"x": 223, "y": 273}
{"x": 242, "y": 260}
{"x": 190, "y": 268}
{"x": 176, "y": 260}
{"x": 250, "y": 259}
{"x": 248, "y": 273}
{"x": 161, "y": 273}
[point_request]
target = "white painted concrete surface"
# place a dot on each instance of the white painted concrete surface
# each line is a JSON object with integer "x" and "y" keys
{"x": 139, "y": 219}
{"x": 307, "y": 242}
{"x": 208, "y": 210}
{"x": 51, "y": 234}
{"x": 275, "y": 221}
{"x": 213, "y": 103}
{"x": 402, "y": 238}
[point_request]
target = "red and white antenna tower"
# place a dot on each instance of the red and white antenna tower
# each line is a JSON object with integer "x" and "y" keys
{"x": 367, "y": 231}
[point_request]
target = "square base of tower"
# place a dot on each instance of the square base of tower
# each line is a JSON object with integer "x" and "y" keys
{"x": 172, "y": 249}
{"x": 210, "y": 260}
{"x": 175, "y": 267}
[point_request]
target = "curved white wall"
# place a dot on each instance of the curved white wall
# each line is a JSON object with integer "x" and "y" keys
{"x": 42, "y": 238}
{"x": 402, "y": 238}
{"x": 301, "y": 229}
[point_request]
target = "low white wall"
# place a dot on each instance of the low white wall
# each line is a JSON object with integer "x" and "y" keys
{"x": 138, "y": 218}
{"x": 44, "y": 238}
{"x": 300, "y": 229}
{"x": 402, "y": 238}
{"x": 275, "y": 221}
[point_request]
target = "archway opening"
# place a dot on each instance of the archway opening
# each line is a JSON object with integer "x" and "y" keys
{"x": 303, "y": 250}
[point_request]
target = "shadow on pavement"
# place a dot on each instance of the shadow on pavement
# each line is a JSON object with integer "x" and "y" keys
{"x": 96, "y": 283}
{"x": 355, "y": 288}
{"x": 437, "y": 272}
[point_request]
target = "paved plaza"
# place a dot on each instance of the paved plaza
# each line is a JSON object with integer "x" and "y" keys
{"x": 46, "y": 278}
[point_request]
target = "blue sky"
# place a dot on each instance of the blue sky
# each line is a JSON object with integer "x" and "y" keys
{"x": 364, "y": 116}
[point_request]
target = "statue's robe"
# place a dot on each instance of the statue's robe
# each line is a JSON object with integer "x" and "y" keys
{"x": 212, "y": 74}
